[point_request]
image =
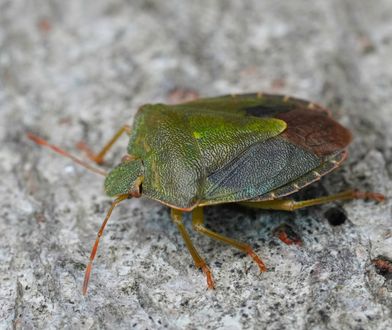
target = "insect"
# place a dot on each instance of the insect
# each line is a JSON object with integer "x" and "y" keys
{"x": 252, "y": 149}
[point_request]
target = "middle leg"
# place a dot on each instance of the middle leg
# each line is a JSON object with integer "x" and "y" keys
{"x": 198, "y": 225}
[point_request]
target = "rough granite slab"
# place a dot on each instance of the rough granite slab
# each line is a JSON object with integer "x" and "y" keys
{"x": 77, "y": 70}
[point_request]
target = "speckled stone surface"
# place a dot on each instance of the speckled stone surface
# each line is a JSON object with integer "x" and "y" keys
{"x": 78, "y": 70}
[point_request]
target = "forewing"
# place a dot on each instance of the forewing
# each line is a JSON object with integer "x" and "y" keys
{"x": 311, "y": 138}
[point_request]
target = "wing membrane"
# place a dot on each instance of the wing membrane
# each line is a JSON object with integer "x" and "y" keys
{"x": 260, "y": 169}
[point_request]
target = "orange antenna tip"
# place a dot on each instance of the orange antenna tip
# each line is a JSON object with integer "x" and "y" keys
{"x": 36, "y": 139}
{"x": 87, "y": 278}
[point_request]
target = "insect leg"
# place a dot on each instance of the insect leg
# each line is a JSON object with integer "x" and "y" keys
{"x": 99, "y": 157}
{"x": 198, "y": 225}
{"x": 199, "y": 261}
{"x": 292, "y": 205}
{"x": 117, "y": 201}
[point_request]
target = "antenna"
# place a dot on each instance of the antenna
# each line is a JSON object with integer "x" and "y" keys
{"x": 117, "y": 201}
{"x": 40, "y": 141}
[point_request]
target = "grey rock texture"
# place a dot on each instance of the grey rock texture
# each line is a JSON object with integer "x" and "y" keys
{"x": 78, "y": 70}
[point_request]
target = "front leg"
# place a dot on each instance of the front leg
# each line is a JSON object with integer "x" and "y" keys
{"x": 99, "y": 157}
{"x": 199, "y": 261}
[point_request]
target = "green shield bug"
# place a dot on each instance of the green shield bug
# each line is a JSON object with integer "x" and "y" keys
{"x": 252, "y": 149}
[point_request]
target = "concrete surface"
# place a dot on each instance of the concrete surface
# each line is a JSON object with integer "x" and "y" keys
{"x": 77, "y": 70}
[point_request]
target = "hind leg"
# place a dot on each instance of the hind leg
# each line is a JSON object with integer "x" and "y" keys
{"x": 287, "y": 204}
